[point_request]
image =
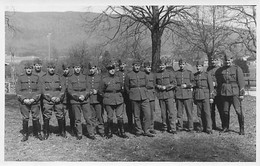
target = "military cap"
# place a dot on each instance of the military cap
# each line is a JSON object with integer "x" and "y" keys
{"x": 199, "y": 62}
{"x": 37, "y": 61}
{"x": 110, "y": 66}
{"x": 162, "y": 61}
{"x": 120, "y": 62}
{"x": 227, "y": 57}
{"x": 136, "y": 62}
{"x": 181, "y": 61}
{"x": 65, "y": 65}
{"x": 91, "y": 65}
{"x": 50, "y": 64}
{"x": 28, "y": 64}
{"x": 147, "y": 63}
{"x": 76, "y": 63}
{"x": 215, "y": 56}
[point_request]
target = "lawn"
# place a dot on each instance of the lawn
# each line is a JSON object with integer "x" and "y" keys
{"x": 183, "y": 147}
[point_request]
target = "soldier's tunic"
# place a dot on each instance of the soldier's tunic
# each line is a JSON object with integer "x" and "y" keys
{"x": 29, "y": 87}
{"x": 217, "y": 98}
{"x": 135, "y": 86}
{"x": 151, "y": 96}
{"x": 128, "y": 108}
{"x": 95, "y": 100}
{"x": 183, "y": 96}
{"x": 166, "y": 98}
{"x": 66, "y": 101}
{"x": 78, "y": 85}
{"x": 111, "y": 90}
{"x": 52, "y": 87}
{"x": 231, "y": 84}
{"x": 203, "y": 91}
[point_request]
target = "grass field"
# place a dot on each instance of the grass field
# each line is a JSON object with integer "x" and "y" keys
{"x": 182, "y": 147}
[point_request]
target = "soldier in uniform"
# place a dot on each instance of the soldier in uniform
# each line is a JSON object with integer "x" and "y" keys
{"x": 203, "y": 96}
{"x": 95, "y": 99}
{"x": 231, "y": 84}
{"x": 183, "y": 95}
{"x": 217, "y": 102}
{"x": 135, "y": 86}
{"x": 165, "y": 82}
{"x": 66, "y": 101}
{"x": 53, "y": 95}
{"x": 111, "y": 88}
{"x": 151, "y": 93}
{"x": 129, "y": 113}
{"x": 28, "y": 91}
{"x": 78, "y": 89}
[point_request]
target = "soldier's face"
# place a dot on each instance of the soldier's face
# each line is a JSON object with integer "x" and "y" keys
{"x": 77, "y": 69}
{"x": 162, "y": 67}
{"x": 112, "y": 71}
{"x": 51, "y": 70}
{"x": 199, "y": 68}
{"x": 181, "y": 65}
{"x": 28, "y": 70}
{"x": 93, "y": 70}
{"x": 148, "y": 69}
{"x": 122, "y": 66}
{"x": 136, "y": 67}
{"x": 66, "y": 71}
{"x": 214, "y": 62}
{"x": 228, "y": 62}
{"x": 38, "y": 67}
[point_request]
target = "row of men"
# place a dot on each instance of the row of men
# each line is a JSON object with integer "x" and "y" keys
{"x": 136, "y": 92}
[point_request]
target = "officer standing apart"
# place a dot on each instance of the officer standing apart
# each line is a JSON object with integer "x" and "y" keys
{"x": 217, "y": 98}
{"x": 183, "y": 95}
{"x": 231, "y": 86}
{"x": 135, "y": 86}
{"x": 111, "y": 88}
{"x": 129, "y": 113}
{"x": 203, "y": 96}
{"x": 66, "y": 101}
{"x": 28, "y": 91}
{"x": 165, "y": 83}
{"x": 95, "y": 99}
{"x": 79, "y": 91}
{"x": 53, "y": 95}
{"x": 151, "y": 92}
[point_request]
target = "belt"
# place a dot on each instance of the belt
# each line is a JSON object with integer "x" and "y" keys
{"x": 149, "y": 88}
{"x": 29, "y": 90}
{"x": 113, "y": 91}
{"x": 137, "y": 86}
{"x": 56, "y": 89}
{"x": 79, "y": 90}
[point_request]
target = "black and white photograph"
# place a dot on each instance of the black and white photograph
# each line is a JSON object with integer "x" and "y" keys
{"x": 167, "y": 82}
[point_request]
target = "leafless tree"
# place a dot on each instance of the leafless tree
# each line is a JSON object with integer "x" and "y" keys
{"x": 136, "y": 20}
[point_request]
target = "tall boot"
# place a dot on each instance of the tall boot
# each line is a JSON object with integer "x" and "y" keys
{"x": 109, "y": 129}
{"x": 241, "y": 124}
{"x": 38, "y": 129}
{"x": 46, "y": 128}
{"x": 34, "y": 128}
{"x": 62, "y": 127}
{"x": 25, "y": 131}
{"x": 120, "y": 124}
{"x": 72, "y": 127}
{"x": 225, "y": 123}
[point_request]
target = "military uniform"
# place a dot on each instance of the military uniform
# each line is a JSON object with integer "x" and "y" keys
{"x": 95, "y": 101}
{"x": 165, "y": 95}
{"x": 203, "y": 91}
{"x": 28, "y": 86}
{"x": 135, "y": 86}
{"x": 231, "y": 84}
{"x": 52, "y": 87}
{"x": 184, "y": 96}
{"x": 111, "y": 88}
{"x": 78, "y": 85}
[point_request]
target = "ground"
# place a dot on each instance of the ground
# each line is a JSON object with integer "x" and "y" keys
{"x": 164, "y": 147}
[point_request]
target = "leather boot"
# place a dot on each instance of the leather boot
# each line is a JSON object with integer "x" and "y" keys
{"x": 72, "y": 127}
{"x": 241, "y": 124}
{"x": 38, "y": 129}
{"x": 109, "y": 129}
{"x": 225, "y": 123}
{"x": 25, "y": 131}
{"x": 63, "y": 128}
{"x": 46, "y": 128}
{"x": 120, "y": 124}
{"x": 34, "y": 128}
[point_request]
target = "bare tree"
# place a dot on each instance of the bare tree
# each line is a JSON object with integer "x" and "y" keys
{"x": 135, "y": 20}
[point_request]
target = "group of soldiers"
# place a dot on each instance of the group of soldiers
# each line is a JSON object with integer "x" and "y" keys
{"x": 133, "y": 92}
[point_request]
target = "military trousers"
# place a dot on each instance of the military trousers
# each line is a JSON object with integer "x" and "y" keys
{"x": 168, "y": 114}
{"x": 204, "y": 114}
{"x": 89, "y": 116}
{"x": 27, "y": 109}
{"x": 98, "y": 109}
{"x": 141, "y": 107}
{"x": 152, "y": 112}
{"x": 129, "y": 111}
{"x": 219, "y": 104}
{"x": 58, "y": 109}
{"x": 227, "y": 102}
{"x": 110, "y": 109}
{"x": 187, "y": 104}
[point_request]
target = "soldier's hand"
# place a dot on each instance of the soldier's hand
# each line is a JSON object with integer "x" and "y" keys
{"x": 81, "y": 97}
{"x": 94, "y": 91}
{"x": 214, "y": 84}
{"x": 26, "y": 101}
{"x": 241, "y": 97}
{"x": 32, "y": 101}
{"x": 183, "y": 85}
{"x": 211, "y": 101}
{"x": 163, "y": 87}
{"x": 57, "y": 100}
{"x": 53, "y": 99}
